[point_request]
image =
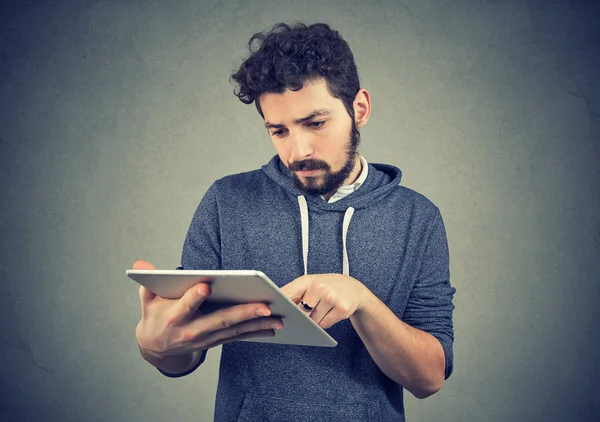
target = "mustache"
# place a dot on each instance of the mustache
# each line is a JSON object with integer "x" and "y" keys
{"x": 309, "y": 165}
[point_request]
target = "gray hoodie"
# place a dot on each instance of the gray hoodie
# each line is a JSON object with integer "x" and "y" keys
{"x": 389, "y": 237}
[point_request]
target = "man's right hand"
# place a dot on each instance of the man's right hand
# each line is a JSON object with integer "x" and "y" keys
{"x": 173, "y": 333}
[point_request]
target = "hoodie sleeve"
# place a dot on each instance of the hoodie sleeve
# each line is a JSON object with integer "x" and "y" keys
{"x": 201, "y": 249}
{"x": 430, "y": 306}
{"x": 202, "y": 246}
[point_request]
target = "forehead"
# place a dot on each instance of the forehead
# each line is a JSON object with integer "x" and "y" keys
{"x": 292, "y": 105}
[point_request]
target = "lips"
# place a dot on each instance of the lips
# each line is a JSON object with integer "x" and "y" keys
{"x": 308, "y": 173}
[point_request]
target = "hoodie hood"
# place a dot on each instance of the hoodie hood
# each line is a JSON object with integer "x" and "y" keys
{"x": 381, "y": 180}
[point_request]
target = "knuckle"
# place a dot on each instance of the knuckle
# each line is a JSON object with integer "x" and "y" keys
{"x": 329, "y": 298}
{"x": 236, "y": 332}
{"x": 171, "y": 321}
{"x": 266, "y": 325}
{"x": 224, "y": 324}
{"x": 320, "y": 286}
{"x": 250, "y": 313}
{"x": 189, "y": 308}
{"x": 344, "y": 309}
{"x": 187, "y": 336}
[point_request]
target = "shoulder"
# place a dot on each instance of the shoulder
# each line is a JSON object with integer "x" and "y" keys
{"x": 239, "y": 183}
{"x": 414, "y": 200}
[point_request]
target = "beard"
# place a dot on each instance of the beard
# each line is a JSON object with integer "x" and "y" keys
{"x": 330, "y": 181}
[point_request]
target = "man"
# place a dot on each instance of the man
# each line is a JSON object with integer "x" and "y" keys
{"x": 367, "y": 255}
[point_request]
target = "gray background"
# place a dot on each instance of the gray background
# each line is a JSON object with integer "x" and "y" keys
{"x": 117, "y": 116}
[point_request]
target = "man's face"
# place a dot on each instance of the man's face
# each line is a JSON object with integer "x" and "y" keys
{"x": 314, "y": 136}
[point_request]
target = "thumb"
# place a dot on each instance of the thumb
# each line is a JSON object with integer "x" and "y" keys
{"x": 146, "y": 295}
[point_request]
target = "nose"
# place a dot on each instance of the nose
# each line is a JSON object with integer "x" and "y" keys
{"x": 302, "y": 146}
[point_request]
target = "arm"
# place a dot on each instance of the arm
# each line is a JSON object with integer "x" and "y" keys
{"x": 172, "y": 335}
{"x": 415, "y": 348}
{"x": 410, "y": 357}
{"x": 200, "y": 251}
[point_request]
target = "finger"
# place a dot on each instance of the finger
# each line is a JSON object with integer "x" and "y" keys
{"x": 226, "y": 318}
{"x": 253, "y": 334}
{"x": 143, "y": 265}
{"x": 332, "y": 317}
{"x": 146, "y": 295}
{"x": 314, "y": 297}
{"x": 296, "y": 289}
{"x": 191, "y": 300}
{"x": 324, "y": 302}
{"x": 243, "y": 330}
{"x": 320, "y": 310}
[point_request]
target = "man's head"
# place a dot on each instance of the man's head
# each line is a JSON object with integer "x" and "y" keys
{"x": 305, "y": 85}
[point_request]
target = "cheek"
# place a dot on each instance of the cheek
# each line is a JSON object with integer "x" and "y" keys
{"x": 282, "y": 151}
{"x": 337, "y": 136}
{"x": 334, "y": 144}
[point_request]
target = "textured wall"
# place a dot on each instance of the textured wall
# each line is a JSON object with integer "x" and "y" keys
{"x": 115, "y": 117}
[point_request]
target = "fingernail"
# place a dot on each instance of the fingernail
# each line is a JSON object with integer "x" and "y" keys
{"x": 277, "y": 325}
{"x": 263, "y": 312}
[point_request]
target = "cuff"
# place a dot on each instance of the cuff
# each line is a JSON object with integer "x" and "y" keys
{"x": 189, "y": 371}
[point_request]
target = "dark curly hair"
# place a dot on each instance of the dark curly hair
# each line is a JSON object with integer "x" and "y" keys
{"x": 288, "y": 56}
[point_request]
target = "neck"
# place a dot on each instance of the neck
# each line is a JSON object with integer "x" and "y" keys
{"x": 355, "y": 171}
{"x": 350, "y": 179}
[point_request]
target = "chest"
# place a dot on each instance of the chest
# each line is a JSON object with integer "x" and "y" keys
{"x": 376, "y": 243}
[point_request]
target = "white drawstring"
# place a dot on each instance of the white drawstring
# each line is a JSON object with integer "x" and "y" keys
{"x": 347, "y": 218}
{"x": 304, "y": 222}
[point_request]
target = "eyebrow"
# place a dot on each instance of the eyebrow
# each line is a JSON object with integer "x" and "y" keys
{"x": 316, "y": 113}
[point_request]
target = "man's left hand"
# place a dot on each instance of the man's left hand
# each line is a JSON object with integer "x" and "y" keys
{"x": 333, "y": 297}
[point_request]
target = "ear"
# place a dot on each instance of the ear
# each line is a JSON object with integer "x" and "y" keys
{"x": 362, "y": 107}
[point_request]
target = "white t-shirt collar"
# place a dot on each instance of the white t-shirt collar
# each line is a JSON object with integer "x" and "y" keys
{"x": 346, "y": 190}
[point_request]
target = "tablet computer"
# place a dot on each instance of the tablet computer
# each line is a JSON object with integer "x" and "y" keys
{"x": 230, "y": 287}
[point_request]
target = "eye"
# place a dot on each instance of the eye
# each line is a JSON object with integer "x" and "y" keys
{"x": 278, "y": 133}
{"x": 316, "y": 125}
